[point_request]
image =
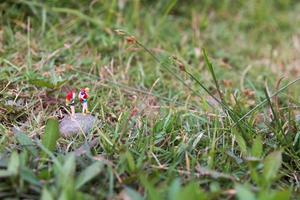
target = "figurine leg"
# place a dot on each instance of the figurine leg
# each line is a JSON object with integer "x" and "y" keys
{"x": 86, "y": 108}
{"x": 72, "y": 110}
{"x": 83, "y": 108}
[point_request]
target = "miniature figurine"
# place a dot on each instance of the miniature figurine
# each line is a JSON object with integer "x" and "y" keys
{"x": 70, "y": 101}
{"x": 83, "y": 96}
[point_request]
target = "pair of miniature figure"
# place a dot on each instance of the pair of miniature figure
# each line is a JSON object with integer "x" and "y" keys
{"x": 83, "y": 96}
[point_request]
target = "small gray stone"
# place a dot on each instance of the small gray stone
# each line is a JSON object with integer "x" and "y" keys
{"x": 297, "y": 118}
{"x": 79, "y": 123}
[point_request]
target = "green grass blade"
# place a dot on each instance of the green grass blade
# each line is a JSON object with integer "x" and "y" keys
{"x": 28, "y": 175}
{"x": 88, "y": 174}
{"x": 211, "y": 69}
{"x": 51, "y": 134}
{"x": 14, "y": 164}
{"x": 5, "y": 173}
{"x": 134, "y": 195}
{"x": 46, "y": 194}
{"x": 272, "y": 164}
{"x": 170, "y": 5}
{"x": 266, "y": 100}
{"x": 257, "y": 147}
{"x": 244, "y": 193}
{"x": 25, "y": 141}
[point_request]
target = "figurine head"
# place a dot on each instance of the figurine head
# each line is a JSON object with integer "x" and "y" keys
{"x": 87, "y": 89}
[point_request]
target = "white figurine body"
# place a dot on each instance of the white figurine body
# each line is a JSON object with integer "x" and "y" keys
{"x": 83, "y": 96}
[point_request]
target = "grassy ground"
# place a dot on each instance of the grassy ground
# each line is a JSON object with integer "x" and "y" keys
{"x": 176, "y": 123}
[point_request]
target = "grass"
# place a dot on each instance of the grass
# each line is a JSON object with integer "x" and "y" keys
{"x": 196, "y": 100}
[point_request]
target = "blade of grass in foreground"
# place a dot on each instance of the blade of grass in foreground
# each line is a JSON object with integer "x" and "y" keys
{"x": 51, "y": 135}
{"x": 88, "y": 174}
